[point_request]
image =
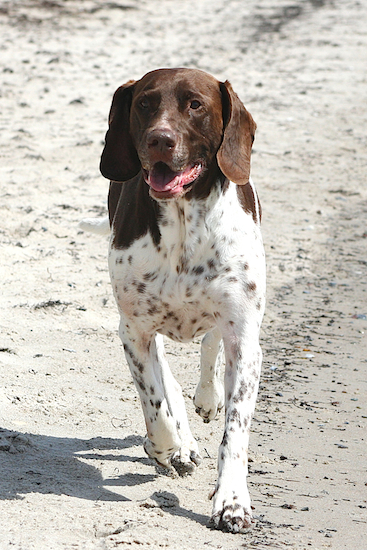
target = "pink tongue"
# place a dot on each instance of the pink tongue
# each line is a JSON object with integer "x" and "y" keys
{"x": 162, "y": 178}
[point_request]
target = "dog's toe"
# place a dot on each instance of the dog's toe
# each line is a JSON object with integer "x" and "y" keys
{"x": 185, "y": 465}
{"x": 232, "y": 519}
{"x": 209, "y": 401}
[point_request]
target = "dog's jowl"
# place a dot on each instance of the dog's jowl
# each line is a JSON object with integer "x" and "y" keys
{"x": 186, "y": 260}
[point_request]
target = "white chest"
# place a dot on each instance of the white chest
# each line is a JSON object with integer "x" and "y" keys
{"x": 209, "y": 251}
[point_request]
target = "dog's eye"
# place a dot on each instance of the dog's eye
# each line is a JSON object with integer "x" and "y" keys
{"x": 144, "y": 103}
{"x": 195, "y": 104}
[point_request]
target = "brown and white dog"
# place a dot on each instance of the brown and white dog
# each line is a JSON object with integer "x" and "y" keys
{"x": 186, "y": 259}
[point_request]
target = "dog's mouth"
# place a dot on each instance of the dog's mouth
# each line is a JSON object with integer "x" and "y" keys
{"x": 166, "y": 183}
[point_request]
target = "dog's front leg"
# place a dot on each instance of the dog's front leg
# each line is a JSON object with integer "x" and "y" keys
{"x": 141, "y": 354}
{"x": 231, "y": 499}
{"x": 169, "y": 440}
{"x": 187, "y": 457}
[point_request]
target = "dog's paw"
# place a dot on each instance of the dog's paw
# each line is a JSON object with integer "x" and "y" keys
{"x": 233, "y": 518}
{"x": 187, "y": 458}
{"x": 231, "y": 514}
{"x": 163, "y": 458}
{"x": 185, "y": 465}
{"x": 209, "y": 400}
{"x": 183, "y": 460}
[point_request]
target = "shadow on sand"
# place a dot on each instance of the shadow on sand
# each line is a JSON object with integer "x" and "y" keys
{"x": 56, "y": 465}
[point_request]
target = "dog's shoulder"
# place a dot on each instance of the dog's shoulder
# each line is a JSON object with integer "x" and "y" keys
{"x": 133, "y": 213}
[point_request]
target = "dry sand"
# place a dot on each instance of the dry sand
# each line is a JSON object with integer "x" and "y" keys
{"x": 73, "y": 470}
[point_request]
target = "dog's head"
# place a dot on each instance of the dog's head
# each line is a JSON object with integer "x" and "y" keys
{"x": 173, "y": 124}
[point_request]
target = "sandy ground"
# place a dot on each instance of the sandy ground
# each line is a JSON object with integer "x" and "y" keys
{"x": 73, "y": 470}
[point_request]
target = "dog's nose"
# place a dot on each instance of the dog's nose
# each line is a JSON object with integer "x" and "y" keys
{"x": 162, "y": 139}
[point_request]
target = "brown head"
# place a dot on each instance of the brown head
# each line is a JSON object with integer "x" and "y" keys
{"x": 173, "y": 124}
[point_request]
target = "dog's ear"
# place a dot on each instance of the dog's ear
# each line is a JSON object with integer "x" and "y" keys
{"x": 119, "y": 160}
{"x": 234, "y": 153}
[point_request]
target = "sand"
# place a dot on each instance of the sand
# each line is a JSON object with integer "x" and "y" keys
{"x": 73, "y": 471}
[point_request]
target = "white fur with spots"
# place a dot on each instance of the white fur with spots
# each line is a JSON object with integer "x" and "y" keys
{"x": 206, "y": 276}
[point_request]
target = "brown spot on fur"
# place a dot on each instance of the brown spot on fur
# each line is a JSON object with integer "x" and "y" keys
{"x": 249, "y": 201}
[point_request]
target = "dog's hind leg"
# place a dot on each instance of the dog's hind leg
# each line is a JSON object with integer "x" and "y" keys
{"x": 209, "y": 395}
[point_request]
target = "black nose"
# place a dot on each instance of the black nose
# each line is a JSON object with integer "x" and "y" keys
{"x": 162, "y": 139}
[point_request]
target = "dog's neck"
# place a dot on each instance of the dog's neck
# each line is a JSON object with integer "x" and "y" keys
{"x": 183, "y": 225}
{"x": 175, "y": 224}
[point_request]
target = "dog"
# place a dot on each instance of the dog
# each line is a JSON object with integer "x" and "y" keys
{"x": 186, "y": 259}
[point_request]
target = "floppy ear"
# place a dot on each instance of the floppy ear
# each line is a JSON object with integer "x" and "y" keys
{"x": 119, "y": 160}
{"x": 234, "y": 153}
